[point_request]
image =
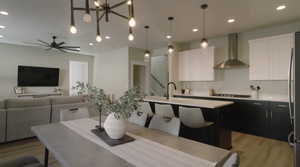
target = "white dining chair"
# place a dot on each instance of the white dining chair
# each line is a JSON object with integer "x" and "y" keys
{"x": 165, "y": 124}
{"x": 164, "y": 110}
{"x": 193, "y": 117}
{"x": 232, "y": 161}
{"x": 138, "y": 118}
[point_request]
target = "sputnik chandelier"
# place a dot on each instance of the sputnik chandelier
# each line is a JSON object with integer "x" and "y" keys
{"x": 102, "y": 10}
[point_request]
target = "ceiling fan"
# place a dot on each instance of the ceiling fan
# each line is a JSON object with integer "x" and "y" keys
{"x": 59, "y": 46}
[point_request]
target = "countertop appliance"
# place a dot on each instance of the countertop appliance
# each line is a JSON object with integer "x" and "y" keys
{"x": 294, "y": 98}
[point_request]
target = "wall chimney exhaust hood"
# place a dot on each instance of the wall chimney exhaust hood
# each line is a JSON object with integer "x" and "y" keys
{"x": 232, "y": 60}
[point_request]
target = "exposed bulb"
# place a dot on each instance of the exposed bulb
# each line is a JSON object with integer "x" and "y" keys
{"x": 168, "y": 36}
{"x": 132, "y": 22}
{"x": 147, "y": 54}
{"x": 98, "y": 38}
{"x": 204, "y": 43}
{"x": 73, "y": 30}
{"x": 97, "y": 3}
{"x": 87, "y": 18}
{"x": 170, "y": 49}
{"x": 130, "y": 37}
{"x": 129, "y": 2}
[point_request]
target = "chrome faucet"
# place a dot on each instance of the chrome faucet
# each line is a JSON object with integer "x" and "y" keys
{"x": 168, "y": 86}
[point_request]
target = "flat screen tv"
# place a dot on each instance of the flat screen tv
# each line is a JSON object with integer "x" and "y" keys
{"x": 37, "y": 76}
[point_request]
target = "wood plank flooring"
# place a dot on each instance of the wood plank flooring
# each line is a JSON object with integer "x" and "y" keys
{"x": 254, "y": 151}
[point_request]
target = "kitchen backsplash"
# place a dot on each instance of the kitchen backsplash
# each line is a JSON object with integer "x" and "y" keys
{"x": 237, "y": 81}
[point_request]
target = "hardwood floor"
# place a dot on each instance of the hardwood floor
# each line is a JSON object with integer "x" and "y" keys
{"x": 254, "y": 151}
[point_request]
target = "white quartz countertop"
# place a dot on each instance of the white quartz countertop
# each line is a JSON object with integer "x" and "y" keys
{"x": 272, "y": 98}
{"x": 211, "y": 104}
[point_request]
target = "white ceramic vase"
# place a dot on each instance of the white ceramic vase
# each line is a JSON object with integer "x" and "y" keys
{"x": 115, "y": 128}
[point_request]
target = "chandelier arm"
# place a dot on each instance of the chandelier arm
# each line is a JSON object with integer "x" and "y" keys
{"x": 118, "y": 4}
{"x": 120, "y": 15}
{"x": 91, "y": 9}
{"x": 132, "y": 9}
{"x": 100, "y": 18}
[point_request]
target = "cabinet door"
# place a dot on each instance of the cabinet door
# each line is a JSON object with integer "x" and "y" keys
{"x": 254, "y": 118}
{"x": 259, "y": 60}
{"x": 183, "y": 66}
{"x": 279, "y": 52}
{"x": 196, "y": 65}
{"x": 280, "y": 125}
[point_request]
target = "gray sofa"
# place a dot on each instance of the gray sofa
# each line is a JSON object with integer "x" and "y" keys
{"x": 2, "y": 121}
{"x": 17, "y": 116}
{"x": 22, "y": 114}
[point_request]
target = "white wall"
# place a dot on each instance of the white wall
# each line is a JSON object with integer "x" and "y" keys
{"x": 13, "y": 55}
{"x": 237, "y": 80}
{"x": 111, "y": 71}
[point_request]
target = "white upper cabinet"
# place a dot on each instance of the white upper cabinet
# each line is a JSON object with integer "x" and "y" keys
{"x": 269, "y": 57}
{"x": 196, "y": 65}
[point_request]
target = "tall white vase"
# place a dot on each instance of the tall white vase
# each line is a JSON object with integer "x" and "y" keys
{"x": 115, "y": 128}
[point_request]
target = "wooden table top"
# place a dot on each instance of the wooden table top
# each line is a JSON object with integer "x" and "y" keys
{"x": 72, "y": 150}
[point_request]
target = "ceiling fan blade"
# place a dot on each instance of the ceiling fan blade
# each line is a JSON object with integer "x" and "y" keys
{"x": 44, "y": 42}
{"x": 61, "y": 43}
{"x": 75, "y": 50}
{"x": 70, "y": 47}
{"x": 35, "y": 43}
{"x": 62, "y": 50}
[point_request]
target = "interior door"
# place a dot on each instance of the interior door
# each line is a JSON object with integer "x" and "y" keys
{"x": 79, "y": 72}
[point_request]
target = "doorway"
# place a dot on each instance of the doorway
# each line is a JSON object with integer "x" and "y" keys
{"x": 79, "y": 72}
{"x": 139, "y": 77}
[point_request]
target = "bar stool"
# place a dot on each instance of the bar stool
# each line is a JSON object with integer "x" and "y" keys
{"x": 194, "y": 122}
{"x": 164, "y": 110}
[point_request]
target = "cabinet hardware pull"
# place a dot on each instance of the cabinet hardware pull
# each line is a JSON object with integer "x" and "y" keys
{"x": 271, "y": 115}
{"x": 74, "y": 109}
{"x": 282, "y": 106}
{"x": 258, "y": 104}
{"x": 266, "y": 114}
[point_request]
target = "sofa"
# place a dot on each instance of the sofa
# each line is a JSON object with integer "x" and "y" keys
{"x": 2, "y": 121}
{"x": 17, "y": 116}
{"x": 22, "y": 114}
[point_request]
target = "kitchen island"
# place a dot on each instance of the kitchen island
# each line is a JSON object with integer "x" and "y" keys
{"x": 222, "y": 134}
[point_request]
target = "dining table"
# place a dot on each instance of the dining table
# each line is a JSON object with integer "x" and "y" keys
{"x": 73, "y": 144}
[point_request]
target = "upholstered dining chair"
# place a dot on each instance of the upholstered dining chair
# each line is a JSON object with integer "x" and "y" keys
{"x": 232, "y": 161}
{"x": 141, "y": 115}
{"x": 165, "y": 124}
{"x": 164, "y": 110}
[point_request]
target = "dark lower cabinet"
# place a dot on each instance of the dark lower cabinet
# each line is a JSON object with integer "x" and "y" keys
{"x": 280, "y": 123}
{"x": 260, "y": 118}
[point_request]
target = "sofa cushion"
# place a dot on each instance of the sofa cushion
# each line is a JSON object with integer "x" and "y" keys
{"x": 23, "y": 103}
{"x": 67, "y": 100}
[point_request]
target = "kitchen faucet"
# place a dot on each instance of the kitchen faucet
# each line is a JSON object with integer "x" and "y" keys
{"x": 168, "y": 86}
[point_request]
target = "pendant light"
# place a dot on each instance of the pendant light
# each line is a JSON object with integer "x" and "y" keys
{"x": 98, "y": 37}
{"x": 147, "y": 52}
{"x": 97, "y": 3}
{"x": 170, "y": 35}
{"x": 131, "y": 21}
{"x": 87, "y": 16}
{"x": 204, "y": 42}
{"x": 73, "y": 29}
{"x": 130, "y": 36}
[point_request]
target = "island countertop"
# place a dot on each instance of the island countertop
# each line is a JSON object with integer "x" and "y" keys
{"x": 210, "y": 104}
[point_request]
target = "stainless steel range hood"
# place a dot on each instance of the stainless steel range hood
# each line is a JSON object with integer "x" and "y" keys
{"x": 232, "y": 60}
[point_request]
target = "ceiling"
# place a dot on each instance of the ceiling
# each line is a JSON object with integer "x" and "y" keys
{"x": 29, "y": 20}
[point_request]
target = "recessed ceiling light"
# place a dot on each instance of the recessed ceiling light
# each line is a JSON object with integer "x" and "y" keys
{"x": 1, "y": 36}
{"x": 195, "y": 30}
{"x": 281, "y": 7}
{"x": 231, "y": 20}
{"x": 107, "y": 37}
{"x": 168, "y": 36}
{"x": 2, "y": 27}
{"x": 91, "y": 44}
{"x": 3, "y": 13}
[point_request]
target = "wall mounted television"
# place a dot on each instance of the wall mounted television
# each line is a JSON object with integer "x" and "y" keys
{"x": 29, "y": 76}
